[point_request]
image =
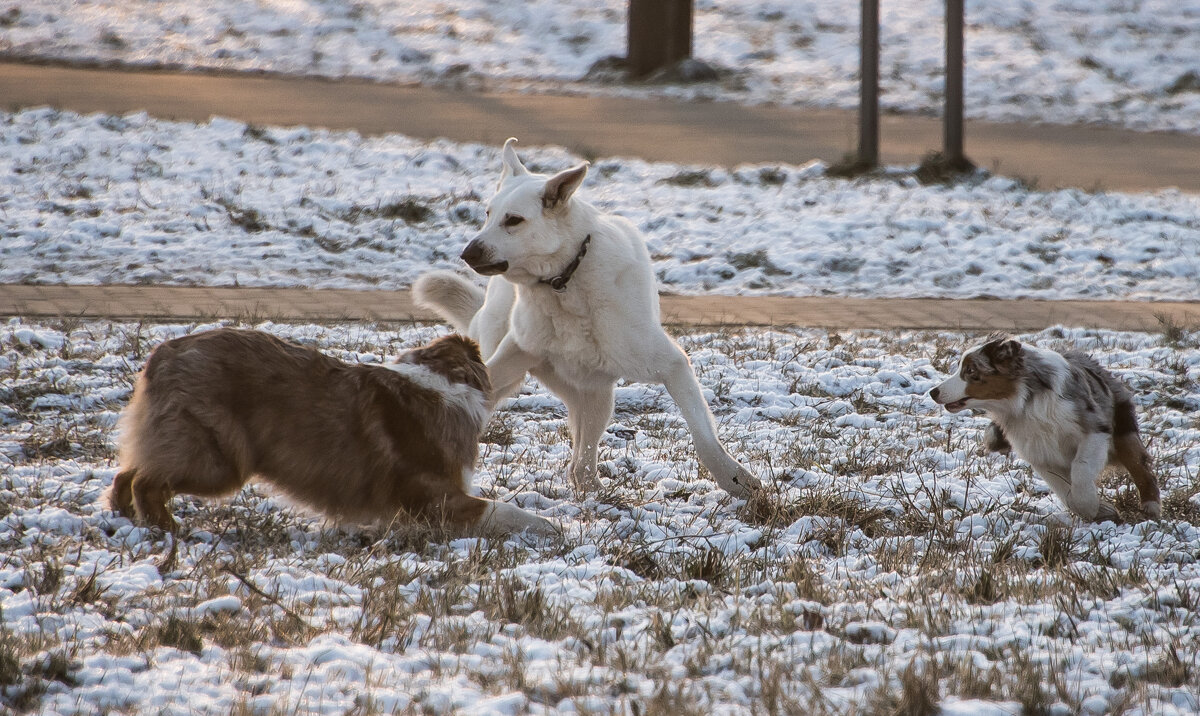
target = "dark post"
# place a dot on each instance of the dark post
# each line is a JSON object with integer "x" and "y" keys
{"x": 660, "y": 34}
{"x": 952, "y": 137}
{"x": 868, "y": 96}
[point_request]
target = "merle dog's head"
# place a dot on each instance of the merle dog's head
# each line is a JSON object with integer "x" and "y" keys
{"x": 986, "y": 375}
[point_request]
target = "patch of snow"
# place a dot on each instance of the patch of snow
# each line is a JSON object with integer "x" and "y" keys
{"x": 101, "y": 199}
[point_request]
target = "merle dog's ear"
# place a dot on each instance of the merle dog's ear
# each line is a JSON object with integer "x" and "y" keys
{"x": 512, "y": 163}
{"x": 1003, "y": 352}
{"x": 561, "y": 186}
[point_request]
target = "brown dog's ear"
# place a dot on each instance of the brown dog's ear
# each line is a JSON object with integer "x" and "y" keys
{"x": 561, "y": 186}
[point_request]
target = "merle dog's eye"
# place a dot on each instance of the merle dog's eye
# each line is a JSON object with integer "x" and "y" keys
{"x": 511, "y": 221}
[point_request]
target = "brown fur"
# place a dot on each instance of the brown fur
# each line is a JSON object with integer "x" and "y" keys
{"x": 1131, "y": 453}
{"x": 993, "y": 376}
{"x": 356, "y": 442}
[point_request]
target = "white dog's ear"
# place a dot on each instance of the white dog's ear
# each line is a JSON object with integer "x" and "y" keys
{"x": 512, "y": 163}
{"x": 561, "y": 186}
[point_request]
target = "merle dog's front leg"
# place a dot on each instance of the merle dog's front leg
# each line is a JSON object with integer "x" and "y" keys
{"x": 994, "y": 439}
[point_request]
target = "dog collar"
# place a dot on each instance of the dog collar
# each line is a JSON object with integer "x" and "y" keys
{"x": 559, "y": 282}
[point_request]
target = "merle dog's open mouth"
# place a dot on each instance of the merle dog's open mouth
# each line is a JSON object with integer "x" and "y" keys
{"x": 957, "y": 405}
{"x": 490, "y": 269}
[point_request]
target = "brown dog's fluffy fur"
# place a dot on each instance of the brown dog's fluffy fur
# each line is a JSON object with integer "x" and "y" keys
{"x": 357, "y": 442}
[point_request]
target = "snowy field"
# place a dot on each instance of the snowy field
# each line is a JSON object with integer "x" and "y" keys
{"x": 1130, "y": 63}
{"x": 102, "y": 199}
{"x": 893, "y": 569}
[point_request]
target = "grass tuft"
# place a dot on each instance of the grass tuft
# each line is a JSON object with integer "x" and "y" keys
{"x": 1057, "y": 546}
{"x": 180, "y": 633}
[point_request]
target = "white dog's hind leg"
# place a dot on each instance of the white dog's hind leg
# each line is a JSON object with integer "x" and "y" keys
{"x": 1090, "y": 459}
{"x": 681, "y": 383}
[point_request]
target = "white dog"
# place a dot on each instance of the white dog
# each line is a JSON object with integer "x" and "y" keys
{"x": 572, "y": 301}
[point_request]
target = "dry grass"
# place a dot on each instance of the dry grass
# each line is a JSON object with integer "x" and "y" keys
{"x": 888, "y": 567}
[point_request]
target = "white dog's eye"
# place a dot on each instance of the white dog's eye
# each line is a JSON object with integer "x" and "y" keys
{"x": 512, "y": 220}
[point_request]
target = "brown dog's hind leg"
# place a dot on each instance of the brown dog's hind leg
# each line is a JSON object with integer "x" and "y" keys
{"x": 151, "y": 495}
{"x": 1133, "y": 457}
{"x": 183, "y": 457}
{"x": 120, "y": 495}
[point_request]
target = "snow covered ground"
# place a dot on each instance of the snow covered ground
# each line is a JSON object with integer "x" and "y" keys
{"x": 104, "y": 199}
{"x": 1131, "y": 63}
{"x": 895, "y": 569}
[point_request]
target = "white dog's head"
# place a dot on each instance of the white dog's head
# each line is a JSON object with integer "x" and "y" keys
{"x": 528, "y": 222}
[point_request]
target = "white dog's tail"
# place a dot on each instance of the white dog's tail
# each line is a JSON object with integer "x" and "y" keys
{"x": 453, "y": 297}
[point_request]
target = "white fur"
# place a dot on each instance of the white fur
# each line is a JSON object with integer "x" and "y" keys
{"x": 603, "y": 327}
{"x": 468, "y": 481}
{"x": 465, "y": 397}
{"x": 501, "y": 517}
{"x": 953, "y": 389}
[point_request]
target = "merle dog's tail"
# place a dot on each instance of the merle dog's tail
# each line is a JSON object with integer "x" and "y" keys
{"x": 451, "y": 296}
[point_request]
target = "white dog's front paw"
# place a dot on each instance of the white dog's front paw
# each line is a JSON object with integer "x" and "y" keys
{"x": 504, "y": 518}
{"x": 1061, "y": 519}
{"x": 584, "y": 480}
{"x": 741, "y": 483}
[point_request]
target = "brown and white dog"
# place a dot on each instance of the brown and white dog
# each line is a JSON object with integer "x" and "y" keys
{"x": 357, "y": 442}
{"x": 1062, "y": 413}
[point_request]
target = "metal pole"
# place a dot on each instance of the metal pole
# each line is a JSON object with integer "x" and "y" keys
{"x": 952, "y": 137}
{"x": 868, "y": 97}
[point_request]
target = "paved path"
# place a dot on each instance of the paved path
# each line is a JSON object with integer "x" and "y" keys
{"x": 713, "y": 133}
{"x": 717, "y": 133}
{"x": 186, "y": 303}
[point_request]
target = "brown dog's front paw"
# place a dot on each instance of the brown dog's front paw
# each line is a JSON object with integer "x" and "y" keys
{"x": 163, "y": 520}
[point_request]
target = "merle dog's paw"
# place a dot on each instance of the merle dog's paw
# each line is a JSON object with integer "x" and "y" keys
{"x": 994, "y": 440}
